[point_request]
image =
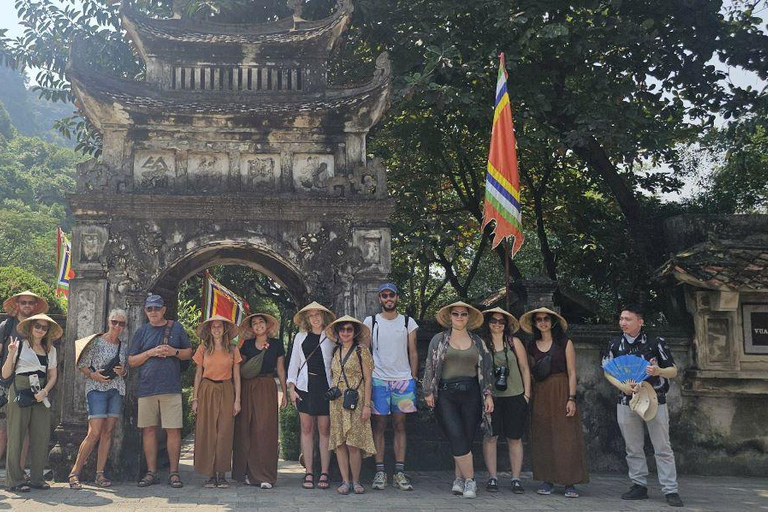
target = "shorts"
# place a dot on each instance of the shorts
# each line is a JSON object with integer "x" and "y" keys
{"x": 393, "y": 396}
{"x": 509, "y": 416}
{"x": 160, "y": 410}
{"x": 104, "y": 404}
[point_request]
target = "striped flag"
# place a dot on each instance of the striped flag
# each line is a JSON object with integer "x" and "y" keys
{"x": 220, "y": 300}
{"x": 502, "y": 181}
{"x": 63, "y": 264}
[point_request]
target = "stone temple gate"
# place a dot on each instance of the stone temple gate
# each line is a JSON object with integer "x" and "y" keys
{"x": 235, "y": 149}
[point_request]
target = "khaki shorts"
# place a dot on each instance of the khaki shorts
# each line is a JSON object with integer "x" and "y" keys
{"x": 161, "y": 410}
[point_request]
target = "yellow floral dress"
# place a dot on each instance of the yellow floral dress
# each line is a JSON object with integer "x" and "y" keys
{"x": 348, "y": 427}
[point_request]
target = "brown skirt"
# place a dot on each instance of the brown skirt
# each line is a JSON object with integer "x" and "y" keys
{"x": 214, "y": 427}
{"x": 256, "y": 429}
{"x": 557, "y": 442}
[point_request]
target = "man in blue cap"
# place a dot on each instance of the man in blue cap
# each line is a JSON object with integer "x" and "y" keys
{"x": 157, "y": 349}
{"x": 395, "y": 371}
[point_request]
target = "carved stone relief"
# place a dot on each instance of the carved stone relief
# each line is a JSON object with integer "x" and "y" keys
{"x": 154, "y": 170}
{"x": 311, "y": 172}
{"x": 207, "y": 171}
{"x": 374, "y": 245}
{"x": 260, "y": 172}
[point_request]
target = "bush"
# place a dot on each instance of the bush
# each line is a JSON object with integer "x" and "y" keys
{"x": 290, "y": 434}
{"x": 14, "y": 280}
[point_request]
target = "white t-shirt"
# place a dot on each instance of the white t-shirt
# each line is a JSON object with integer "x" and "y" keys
{"x": 28, "y": 361}
{"x": 389, "y": 343}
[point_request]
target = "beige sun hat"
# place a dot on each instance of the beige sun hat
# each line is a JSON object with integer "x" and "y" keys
{"x": 201, "y": 327}
{"x": 512, "y": 324}
{"x": 10, "y": 303}
{"x": 475, "y": 316}
{"x": 273, "y": 326}
{"x": 54, "y": 331}
{"x": 82, "y": 344}
{"x": 362, "y": 332}
{"x": 645, "y": 402}
{"x": 329, "y": 316}
{"x": 526, "y": 321}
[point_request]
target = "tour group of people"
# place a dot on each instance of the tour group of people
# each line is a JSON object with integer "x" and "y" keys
{"x": 347, "y": 378}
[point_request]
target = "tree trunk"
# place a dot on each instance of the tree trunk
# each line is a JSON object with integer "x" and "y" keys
{"x": 549, "y": 259}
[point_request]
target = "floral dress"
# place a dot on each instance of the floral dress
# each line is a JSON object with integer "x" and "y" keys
{"x": 348, "y": 427}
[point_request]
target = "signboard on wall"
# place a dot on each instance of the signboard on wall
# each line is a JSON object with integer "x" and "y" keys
{"x": 755, "y": 323}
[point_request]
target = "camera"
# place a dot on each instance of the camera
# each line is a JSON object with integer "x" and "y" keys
{"x": 501, "y": 373}
{"x": 332, "y": 393}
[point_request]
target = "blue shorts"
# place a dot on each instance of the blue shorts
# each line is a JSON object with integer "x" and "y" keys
{"x": 104, "y": 404}
{"x": 393, "y": 396}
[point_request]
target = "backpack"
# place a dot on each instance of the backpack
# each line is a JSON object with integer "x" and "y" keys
{"x": 373, "y": 324}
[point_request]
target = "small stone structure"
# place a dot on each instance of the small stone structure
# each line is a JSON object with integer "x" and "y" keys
{"x": 233, "y": 150}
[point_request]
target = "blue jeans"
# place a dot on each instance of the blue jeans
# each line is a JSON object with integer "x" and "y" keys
{"x": 104, "y": 404}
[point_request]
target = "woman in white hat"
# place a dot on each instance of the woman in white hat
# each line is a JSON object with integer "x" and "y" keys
{"x": 101, "y": 358}
{"x": 458, "y": 384}
{"x": 512, "y": 383}
{"x": 352, "y": 370}
{"x": 216, "y": 398}
{"x": 256, "y": 427}
{"x": 557, "y": 441}
{"x": 33, "y": 362}
{"x": 309, "y": 378}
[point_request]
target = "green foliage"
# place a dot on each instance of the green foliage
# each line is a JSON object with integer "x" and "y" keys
{"x": 290, "y": 433}
{"x": 7, "y": 130}
{"x": 14, "y": 280}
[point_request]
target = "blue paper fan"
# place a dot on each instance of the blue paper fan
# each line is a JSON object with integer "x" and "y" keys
{"x": 627, "y": 367}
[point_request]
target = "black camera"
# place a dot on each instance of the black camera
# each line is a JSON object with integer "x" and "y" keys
{"x": 332, "y": 393}
{"x": 501, "y": 377}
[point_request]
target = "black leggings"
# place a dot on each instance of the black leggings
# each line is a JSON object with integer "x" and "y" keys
{"x": 459, "y": 413}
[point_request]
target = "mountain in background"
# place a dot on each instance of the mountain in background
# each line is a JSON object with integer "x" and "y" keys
{"x": 32, "y": 117}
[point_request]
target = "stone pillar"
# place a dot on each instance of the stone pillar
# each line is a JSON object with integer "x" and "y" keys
{"x": 375, "y": 245}
{"x": 540, "y": 292}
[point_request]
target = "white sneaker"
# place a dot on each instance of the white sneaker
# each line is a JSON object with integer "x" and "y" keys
{"x": 458, "y": 486}
{"x": 379, "y": 481}
{"x": 266, "y": 485}
{"x": 470, "y": 488}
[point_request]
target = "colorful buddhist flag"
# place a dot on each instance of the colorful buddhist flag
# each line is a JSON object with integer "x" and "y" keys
{"x": 63, "y": 262}
{"x": 220, "y": 300}
{"x": 502, "y": 180}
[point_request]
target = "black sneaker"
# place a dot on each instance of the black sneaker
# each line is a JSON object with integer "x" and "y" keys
{"x": 517, "y": 486}
{"x": 492, "y": 485}
{"x": 673, "y": 499}
{"x": 636, "y": 492}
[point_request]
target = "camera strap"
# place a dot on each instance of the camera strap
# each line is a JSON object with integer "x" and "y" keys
{"x": 343, "y": 363}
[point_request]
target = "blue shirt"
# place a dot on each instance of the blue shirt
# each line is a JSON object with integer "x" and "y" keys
{"x": 159, "y": 375}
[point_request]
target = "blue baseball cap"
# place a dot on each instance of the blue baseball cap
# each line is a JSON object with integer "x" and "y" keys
{"x": 154, "y": 300}
{"x": 387, "y": 286}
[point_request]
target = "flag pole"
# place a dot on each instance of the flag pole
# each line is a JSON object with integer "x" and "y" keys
{"x": 506, "y": 272}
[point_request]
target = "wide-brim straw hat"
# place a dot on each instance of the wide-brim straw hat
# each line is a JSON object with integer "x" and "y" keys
{"x": 82, "y": 344}
{"x": 54, "y": 330}
{"x": 273, "y": 326}
{"x": 232, "y": 325}
{"x": 297, "y": 318}
{"x": 512, "y": 323}
{"x": 475, "y": 316}
{"x": 526, "y": 321}
{"x": 10, "y": 303}
{"x": 645, "y": 402}
{"x": 362, "y": 332}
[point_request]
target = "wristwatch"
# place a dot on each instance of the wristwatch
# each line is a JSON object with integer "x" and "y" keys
{"x": 177, "y": 352}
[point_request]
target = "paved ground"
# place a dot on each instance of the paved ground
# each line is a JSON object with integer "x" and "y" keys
{"x": 432, "y": 492}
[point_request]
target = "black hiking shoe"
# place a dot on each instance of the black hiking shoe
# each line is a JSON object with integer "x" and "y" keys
{"x": 673, "y": 499}
{"x": 636, "y": 492}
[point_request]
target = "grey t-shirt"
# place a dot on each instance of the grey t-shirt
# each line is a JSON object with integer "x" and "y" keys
{"x": 159, "y": 375}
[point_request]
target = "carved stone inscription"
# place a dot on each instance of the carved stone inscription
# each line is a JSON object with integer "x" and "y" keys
{"x": 207, "y": 171}
{"x": 311, "y": 172}
{"x": 260, "y": 172}
{"x": 154, "y": 169}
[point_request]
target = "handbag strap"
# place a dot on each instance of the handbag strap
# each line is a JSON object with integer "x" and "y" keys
{"x": 306, "y": 360}
{"x": 167, "y": 332}
{"x": 343, "y": 363}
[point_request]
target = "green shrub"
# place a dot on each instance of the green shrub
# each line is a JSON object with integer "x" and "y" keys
{"x": 14, "y": 280}
{"x": 290, "y": 434}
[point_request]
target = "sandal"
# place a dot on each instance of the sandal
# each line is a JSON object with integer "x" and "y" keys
{"x": 358, "y": 488}
{"x": 43, "y": 486}
{"x": 211, "y": 483}
{"x": 309, "y": 481}
{"x": 174, "y": 480}
{"x": 74, "y": 482}
{"x": 102, "y": 481}
{"x": 223, "y": 484}
{"x": 20, "y": 488}
{"x": 149, "y": 479}
{"x": 324, "y": 484}
{"x": 343, "y": 488}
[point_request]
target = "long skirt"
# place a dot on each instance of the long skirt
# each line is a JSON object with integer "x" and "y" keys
{"x": 256, "y": 430}
{"x": 557, "y": 442}
{"x": 215, "y": 427}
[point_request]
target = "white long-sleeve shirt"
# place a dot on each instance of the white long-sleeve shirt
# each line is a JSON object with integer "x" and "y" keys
{"x": 300, "y": 377}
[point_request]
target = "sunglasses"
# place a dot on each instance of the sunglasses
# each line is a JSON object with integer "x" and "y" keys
{"x": 497, "y": 321}
{"x": 540, "y": 319}
{"x": 347, "y": 328}
{"x": 41, "y": 327}
{"x": 456, "y": 314}
{"x": 27, "y": 302}
{"x": 117, "y": 323}
{"x": 150, "y": 309}
{"x": 387, "y": 295}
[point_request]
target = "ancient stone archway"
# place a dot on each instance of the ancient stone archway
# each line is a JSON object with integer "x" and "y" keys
{"x": 234, "y": 149}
